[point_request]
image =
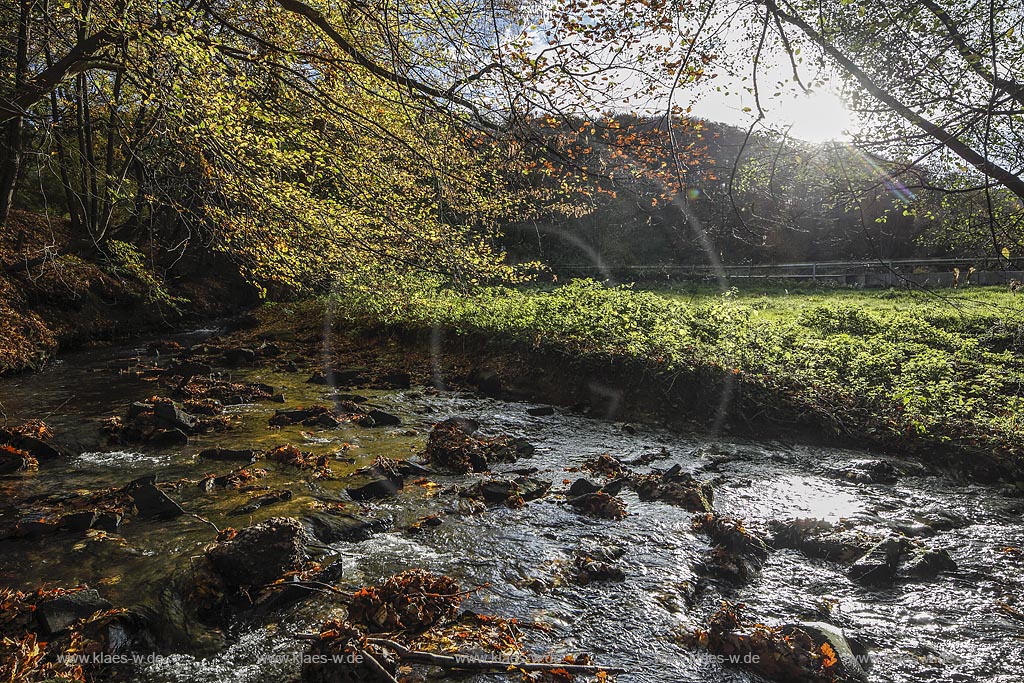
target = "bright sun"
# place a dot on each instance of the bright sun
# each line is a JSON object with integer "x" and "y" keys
{"x": 816, "y": 117}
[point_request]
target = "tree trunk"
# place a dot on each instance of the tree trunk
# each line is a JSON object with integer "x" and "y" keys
{"x": 10, "y": 152}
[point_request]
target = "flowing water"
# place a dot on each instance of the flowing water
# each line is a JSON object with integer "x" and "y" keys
{"x": 948, "y": 629}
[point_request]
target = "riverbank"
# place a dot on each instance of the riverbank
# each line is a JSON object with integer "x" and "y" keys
{"x": 54, "y": 300}
{"x": 911, "y": 374}
{"x": 185, "y": 471}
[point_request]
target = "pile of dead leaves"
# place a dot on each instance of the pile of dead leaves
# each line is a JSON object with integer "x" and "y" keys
{"x": 411, "y": 601}
{"x": 37, "y": 429}
{"x": 675, "y": 487}
{"x": 240, "y": 479}
{"x": 605, "y": 464}
{"x": 203, "y": 406}
{"x": 288, "y": 454}
{"x": 780, "y": 653}
{"x": 600, "y": 504}
{"x": 453, "y": 446}
{"x": 228, "y": 393}
{"x": 476, "y": 632}
{"x": 737, "y": 553}
{"x": 16, "y": 460}
{"x": 26, "y": 658}
{"x": 344, "y": 645}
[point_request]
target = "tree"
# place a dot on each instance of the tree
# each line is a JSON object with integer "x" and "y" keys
{"x": 937, "y": 85}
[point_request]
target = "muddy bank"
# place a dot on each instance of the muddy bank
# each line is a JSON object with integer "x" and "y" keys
{"x": 698, "y": 399}
{"x": 57, "y": 296}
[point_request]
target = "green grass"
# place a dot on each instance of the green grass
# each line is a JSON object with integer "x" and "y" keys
{"x": 904, "y": 369}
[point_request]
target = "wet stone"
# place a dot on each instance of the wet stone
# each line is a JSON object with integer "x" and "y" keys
{"x": 331, "y": 528}
{"x": 260, "y": 554}
{"x": 879, "y": 565}
{"x": 339, "y": 376}
{"x": 819, "y": 539}
{"x": 379, "y": 418}
{"x": 56, "y": 614}
{"x": 383, "y": 487}
{"x": 263, "y": 501}
{"x": 229, "y": 454}
{"x": 540, "y": 411}
{"x": 78, "y": 521}
{"x": 152, "y": 502}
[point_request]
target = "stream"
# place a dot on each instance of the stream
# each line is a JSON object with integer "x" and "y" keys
{"x": 950, "y": 628}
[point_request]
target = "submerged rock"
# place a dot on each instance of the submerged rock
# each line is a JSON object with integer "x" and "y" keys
{"x": 925, "y": 563}
{"x": 899, "y": 557}
{"x": 383, "y": 487}
{"x": 599, "y": 564}
{"x": 511, "y": 492}
{"x": 879, "y": 564}
{"x": 820, "y": 539}
{"x": 263, "y": 501}
{"x": 229, "y": 454}
{"x": 338, "y": 527}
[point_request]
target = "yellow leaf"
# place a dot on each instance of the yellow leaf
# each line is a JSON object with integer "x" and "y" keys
{"x": 1006, "y": 252}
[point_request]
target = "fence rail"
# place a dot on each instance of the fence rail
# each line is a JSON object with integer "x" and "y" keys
{"x": 864, "y": 273}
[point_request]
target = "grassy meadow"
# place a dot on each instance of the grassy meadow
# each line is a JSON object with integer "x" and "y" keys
{"x": 909, "y": 369}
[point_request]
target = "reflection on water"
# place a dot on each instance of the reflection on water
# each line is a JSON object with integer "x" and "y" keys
{"x": 947, "y": 630}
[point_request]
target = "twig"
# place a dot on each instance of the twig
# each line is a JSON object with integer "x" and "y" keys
{"x": 318, "y": 586}
{"x": 449, "y": 662}
{"x": 1011, "y": 611}
{"x": 66, "y": 401}
{"x": 372, "y": 661}
{"x": 204, "y": 521}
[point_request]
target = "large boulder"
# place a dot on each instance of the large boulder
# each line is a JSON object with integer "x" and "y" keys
{"x": 259, "y": 555}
